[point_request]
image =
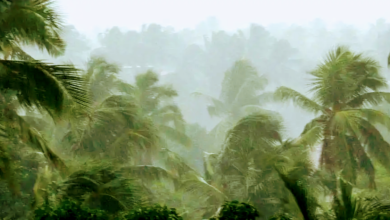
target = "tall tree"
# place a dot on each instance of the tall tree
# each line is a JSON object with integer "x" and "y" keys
{"x": 156, "y": 102}
{"x": 239, "y": 97}
{"x": 245, "y": 166}
{"x": 343, "y": 86}
{"x": 28, "y": 83}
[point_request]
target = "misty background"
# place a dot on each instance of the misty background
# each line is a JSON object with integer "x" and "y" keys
{"x": 190, "y": 104}
{"x": 191, "y": 44}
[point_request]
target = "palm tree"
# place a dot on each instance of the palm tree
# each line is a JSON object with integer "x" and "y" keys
{"x": 101, "y": 77}
{"x": 155, "y": 102}
{"x": 114, "y": 129}
{"x": 343, "y": 87}
{"x": 115, "y": 126}
{"x": 244, "y": 169}
{"x": 238, "y": 98}
{"x": 28, "y": 83}
{"x": 344, "y": 205}
{"x": 94, "y": 184}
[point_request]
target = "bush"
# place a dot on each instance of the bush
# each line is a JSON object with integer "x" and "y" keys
{"x": 235, "y": 210}
{"x": 153, "y": 213}
{"x": 69, "y": 210}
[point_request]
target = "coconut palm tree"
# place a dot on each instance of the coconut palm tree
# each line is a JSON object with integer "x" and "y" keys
{"x": 28, "y": 83}
{"x": 238, "y": 98}
{"x": 344, "y": 86}
{"x": 115, "y": 126}
{"x": 156, "y": 102}
{"x": 244, "y": 169}
{"x": 101, "y": 77}
{"x": 115, "y": 129}
{"x": 344, "y": 206}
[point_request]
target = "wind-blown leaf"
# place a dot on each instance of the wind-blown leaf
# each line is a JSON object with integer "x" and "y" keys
{"x": 33, "y": 22}
{"x": 299, "y": 190}
{"x": 217, "y": 108}
{"x": 43, "y": 85}
{"x": 198, "y": 186}
{"x": 149, "y": 172}
{"x": 371, "y": 98}
{"x": 285, "y": 94}
{"x": 176, "y": 135}
{"x": 377, "y": 147}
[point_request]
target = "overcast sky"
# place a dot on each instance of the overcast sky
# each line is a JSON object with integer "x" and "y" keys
{"x": 91, "y": 16}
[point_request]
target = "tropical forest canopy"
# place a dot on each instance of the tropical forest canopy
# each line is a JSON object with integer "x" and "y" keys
{"x": 278, "y": 122}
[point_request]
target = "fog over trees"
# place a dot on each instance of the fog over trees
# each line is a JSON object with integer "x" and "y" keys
{"x": 265, "y": 121}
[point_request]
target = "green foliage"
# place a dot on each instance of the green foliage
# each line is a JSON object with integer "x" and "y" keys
{"x": 102, "y": 187}
{"x": 153, "y": 212}
{"x": 343, "y": 86}
{"x": 69, "y": 209}
{"x": 282, "y": 216}
{"x": 235, "y": 210}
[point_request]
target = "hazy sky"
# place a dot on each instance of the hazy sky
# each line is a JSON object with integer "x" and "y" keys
{"x": 91, "y": 16}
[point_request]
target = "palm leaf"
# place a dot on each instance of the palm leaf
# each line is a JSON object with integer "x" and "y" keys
{"x": 284, "y": 94}
{"x": 175, "y": 135}
{"x": 33, "y": 22}
{"x": 43, "y": 85}
{"x": 377, "y": 147}
{"x": 149, "y": 173}
{"x": 195, "y": 184}
{"x": 217, "y": 108}
{"x": 32, "y": 137}
{"x": 370, "y": 98}
{"x": 299, "y": 190}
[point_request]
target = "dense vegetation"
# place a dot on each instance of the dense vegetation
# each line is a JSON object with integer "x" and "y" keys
{"x": 84, "y": 143}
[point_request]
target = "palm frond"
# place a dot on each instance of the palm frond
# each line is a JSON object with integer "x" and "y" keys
{"x": 285, "y": 94}
{"x": 34, "y": 22}
{"x": 195, "y": 184}
{"x": 34, "y": 139}
{"x": 310, "y": 137}
{"x": 262, "y": 129}
{"x": 43, "y": 85}
{"x": 370, "y": 98}
{"x": 149, "y": 173}
{"x": 217, "y": 108}
{"x": 175, "y": 135}
{"x": 175, "y": 163}
{"x": 299, "y": 190}
{"x": 377, "y": 147}
{"x": 373, "y": 116}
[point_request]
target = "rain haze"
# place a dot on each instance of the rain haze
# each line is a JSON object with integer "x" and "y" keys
{"x": 201, "y": 102}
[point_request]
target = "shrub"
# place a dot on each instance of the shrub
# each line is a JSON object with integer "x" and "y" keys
{"x": 235, "y": 210}
{"x": 155, "y": 212}
{"x": 69, "y": 210}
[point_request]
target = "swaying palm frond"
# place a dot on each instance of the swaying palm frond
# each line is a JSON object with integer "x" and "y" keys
{"x": 101, "y": 187}
{"x": 149, "y": 173}
{"x": 217, "y": 108}
{"x": 343, "y": 76}
{"x": 175, "y": 135}
{"x": 101, "y": 77}
{"x": 370, "y": 98}
{"x": 388, "y": 60}
{"x": 32, "y": 22}
{"x": 377, "y": 147}
{"x": 10, "y": 49}
{"x": 241, "y": 80}
{"x": 284, "y": 94}
{"x": 262, "y": 129}
{"x": 127, "y": 129}
{"x": 198, "y": 186}
{"x": 343, "y": 84}
{"x": 33, "y": 138}
{"x": 43, "y": 85}
{"x": 300, "y": 190}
